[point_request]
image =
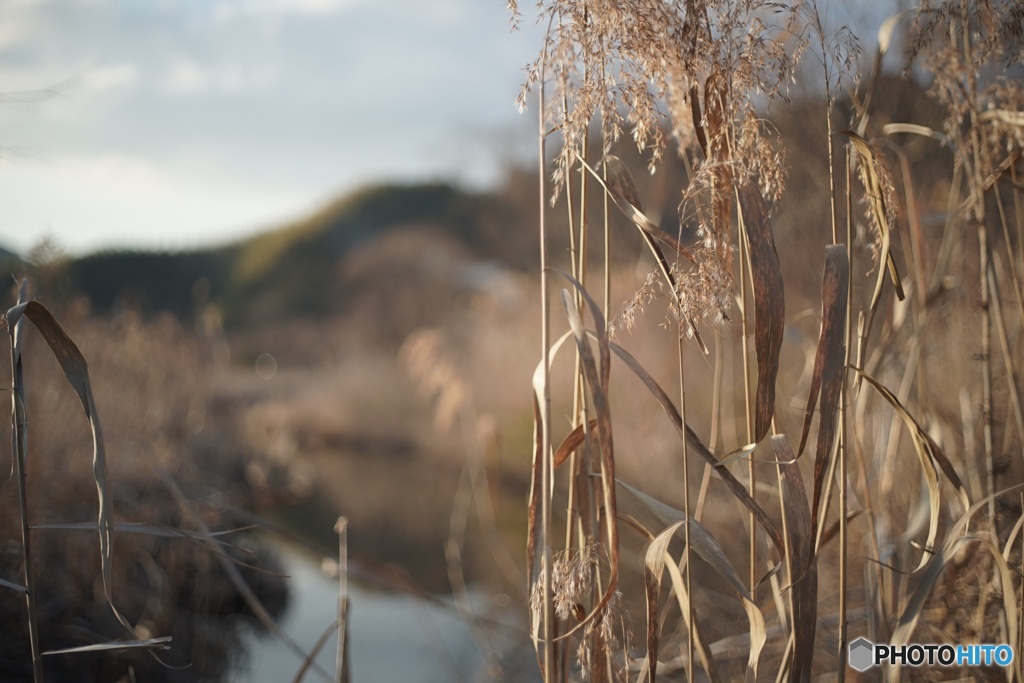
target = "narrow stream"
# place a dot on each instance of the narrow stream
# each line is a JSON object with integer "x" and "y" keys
{"x": 392, "y": 637}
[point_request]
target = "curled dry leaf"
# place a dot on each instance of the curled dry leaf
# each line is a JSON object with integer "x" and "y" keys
{"x": 72, "y": 362}
{"x": 932, "y": 459}
{"x": 572, "y": 441}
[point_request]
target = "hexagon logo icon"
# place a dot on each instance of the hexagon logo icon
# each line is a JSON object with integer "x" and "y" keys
{"x": 862, "y": 654}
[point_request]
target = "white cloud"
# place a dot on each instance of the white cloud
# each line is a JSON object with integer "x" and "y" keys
{"x": 186, "y": 76}
{"x": 112, "y": 76}
{"x": 131, "y": 175}
{"x": 116, "y": 199}
{"x": 21, "y": 21}
{"x": 309, "y": 6}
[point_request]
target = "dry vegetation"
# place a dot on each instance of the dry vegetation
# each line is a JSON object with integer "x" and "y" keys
{"x": 820, "y": 482}
{"x": 777, "y": 405}
{"x": 154, "y": 577}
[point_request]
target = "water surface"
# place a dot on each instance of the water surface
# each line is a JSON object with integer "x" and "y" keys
{"x": 392, "y": 637}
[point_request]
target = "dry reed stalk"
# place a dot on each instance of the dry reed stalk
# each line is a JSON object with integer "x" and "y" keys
{"x": 342, "y": 663}
{"x": 19, "y": 427}
{"x": 542, "y": 479}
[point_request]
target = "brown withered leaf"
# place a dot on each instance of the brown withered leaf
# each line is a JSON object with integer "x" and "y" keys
{"x": 828, "y": 365}
{"x": 833, "y": 295}
{"x": 716, "y": 99}
{"x": 572, "y": 441}
{"x": 802, "y": 563}
{"x": 698, "y": 125}
{"x": 769, "y": 301}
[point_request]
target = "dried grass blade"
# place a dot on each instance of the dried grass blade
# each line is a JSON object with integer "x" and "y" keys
{"x": 833, "y": 530}
{"x": 704, "y": 543}
{"x": 802, "y": 562}
{"x": 693, "y": 441}
{"x": 654, "y": 567}
{"x": 142, "y": 528}
{"x": 1007, "y": 116}
{"x": 885, "y": 32}
{"x": 533, "y": 512}
{"x": 928, "y": 468}
{"x": 572, "y": 441}
{"x": 834, "y": 285}
{"x": 769, "y": 302}
{"x": 311, "y": 657}
{"x": 926, "y": 446}
{"x": 828, "y": 367}
{"x": 719, "y": 119}
{"x": 697, "y": 119}
{"x": 989, "y": 181}
{"x": 708, "y": 549}
{"x": 872, "y": 182}
{"x": 912, "y": 129}
{"x": 19, "y": 453}
{"x": 622, "y": 190}
{"x": 342, "y": 660}
{"x": 4, "y": 583}
{"x": 699, "y": 644}
{"x": 161, "y": 643}
{"x": 600, "y": 329}
{"x": 72, "y": 362}
{"x": 658, "y": 565}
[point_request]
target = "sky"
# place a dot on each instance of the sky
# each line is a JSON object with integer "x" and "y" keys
{"x": 173, "y": 124}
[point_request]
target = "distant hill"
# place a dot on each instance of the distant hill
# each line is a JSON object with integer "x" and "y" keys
{"x": 293, "y": 270}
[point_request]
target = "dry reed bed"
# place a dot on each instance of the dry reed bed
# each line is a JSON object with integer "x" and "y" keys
{"x": 910, "y": 400}
{"x": 158, "y": 597}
